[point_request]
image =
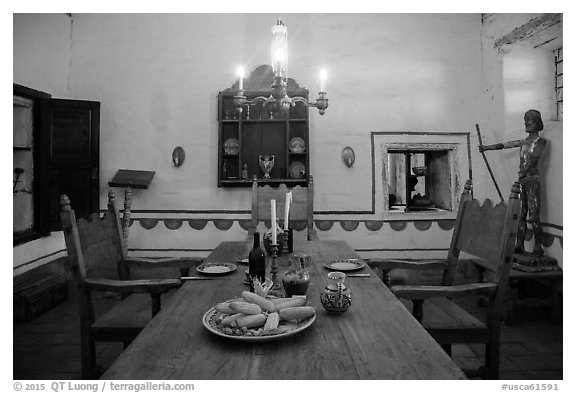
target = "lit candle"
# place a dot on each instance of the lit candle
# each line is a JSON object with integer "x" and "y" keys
{"x": 287, "y": 209}
{"x": 273, "y": 220}
{"x": 240, "y": 72}
{"x": 322, "y": 80}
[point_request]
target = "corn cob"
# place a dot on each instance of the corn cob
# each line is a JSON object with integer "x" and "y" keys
{"x": 290, "y": 302}
{"x": 265, "y": 304}
{"x": 251, "y": 321}
{"x": 224, "y": 308}
{"x": 230, "y": 320}
{"x": 277, "y": 300}
{"x": 246, "y": 308}
{"x": 272, "y": 321}
{"x": 294, "y": 313}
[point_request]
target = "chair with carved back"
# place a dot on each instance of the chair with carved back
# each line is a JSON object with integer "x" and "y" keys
{"x": 97, "y": 260}
{"x": 482, "y": 231}
{"x": 144, "y": 267}
{"x": 301, "y": 208}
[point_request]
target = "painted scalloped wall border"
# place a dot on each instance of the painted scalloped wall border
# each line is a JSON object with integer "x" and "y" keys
{"x": 323, "y": 225}
{"x": 224, "y": 224}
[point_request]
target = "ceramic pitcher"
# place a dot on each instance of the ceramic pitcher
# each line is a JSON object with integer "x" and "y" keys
{"x": 336, "y": 297}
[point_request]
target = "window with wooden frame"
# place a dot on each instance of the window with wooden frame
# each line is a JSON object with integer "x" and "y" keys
{"x": 559, "y": 82}
{"x": 422, "y": 173}
{"x": 29, "y": 210}
{"x": 55, "y": 151}
{"x": 420, "y": 177}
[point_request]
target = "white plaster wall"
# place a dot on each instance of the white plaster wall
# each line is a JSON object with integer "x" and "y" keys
{"x": 38, "y": 252}
{"x": 42, "y": 44}
{"x": 158, "y": 76}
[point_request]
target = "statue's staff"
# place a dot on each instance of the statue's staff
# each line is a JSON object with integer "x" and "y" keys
{"x": 487, "y": 164}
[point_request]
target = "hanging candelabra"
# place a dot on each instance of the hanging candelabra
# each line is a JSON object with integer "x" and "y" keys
{"x": 279, "y": 101}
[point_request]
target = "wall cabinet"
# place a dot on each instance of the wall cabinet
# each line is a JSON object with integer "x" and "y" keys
{"x": 243, "y": 138}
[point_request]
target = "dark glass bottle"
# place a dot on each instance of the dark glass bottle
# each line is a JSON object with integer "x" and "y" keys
{"x": 256, "y": 262}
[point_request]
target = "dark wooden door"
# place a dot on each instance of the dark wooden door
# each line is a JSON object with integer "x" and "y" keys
{"x": 72, "y": 132}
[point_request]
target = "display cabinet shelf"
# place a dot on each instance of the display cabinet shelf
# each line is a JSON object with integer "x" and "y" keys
{"x": 241, "y": 140}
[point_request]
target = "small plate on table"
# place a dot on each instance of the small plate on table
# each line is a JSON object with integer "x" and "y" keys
{"x": 216, "y": 268}
{"x": 241, "y": 260}
{"x": 345, "y": 265}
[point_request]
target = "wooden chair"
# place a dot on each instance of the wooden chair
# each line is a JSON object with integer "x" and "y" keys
{"x": 301, "y": 208}
{"x": 97, "y": 258}
{"x": 485, "y": 232}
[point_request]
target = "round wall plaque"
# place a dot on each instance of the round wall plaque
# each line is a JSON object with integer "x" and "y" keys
{"x": 178, "y": 156}
{"x": 348, "y": 156}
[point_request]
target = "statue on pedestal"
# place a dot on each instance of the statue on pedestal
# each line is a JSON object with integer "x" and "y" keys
{"x": 531, "y": 149}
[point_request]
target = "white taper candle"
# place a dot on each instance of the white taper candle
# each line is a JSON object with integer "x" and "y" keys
{"x": 287, "y": 209}
{"x": 240, "y": 72}
{"x": 273, "y": 220}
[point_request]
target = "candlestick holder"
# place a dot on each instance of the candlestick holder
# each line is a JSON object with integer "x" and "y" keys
{"x": 287, "y": 244}
{"x": 274, "y": 269}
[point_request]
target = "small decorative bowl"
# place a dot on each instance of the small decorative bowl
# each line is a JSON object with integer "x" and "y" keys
{"x": 420, "y": 170}
{"x": 296, "y": 282}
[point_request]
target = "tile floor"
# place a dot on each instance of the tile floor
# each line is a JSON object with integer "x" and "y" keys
{"x": 49, "y": 346}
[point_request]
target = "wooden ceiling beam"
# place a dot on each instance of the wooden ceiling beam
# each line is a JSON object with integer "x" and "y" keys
{"x": 528, "y": 31}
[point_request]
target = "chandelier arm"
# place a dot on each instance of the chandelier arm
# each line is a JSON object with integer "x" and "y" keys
{"x": 321, "y": 103}
{"x": 299, "y": 99}
{"x": 240, "y": 100}
{"x": 255, "y": 100}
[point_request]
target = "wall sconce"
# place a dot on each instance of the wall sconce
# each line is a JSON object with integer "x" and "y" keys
{"x": 178, "y": 156}
{"x": 348, "y": 156}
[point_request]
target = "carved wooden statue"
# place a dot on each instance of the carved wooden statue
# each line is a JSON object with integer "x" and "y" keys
{"x": 531, "y": 150}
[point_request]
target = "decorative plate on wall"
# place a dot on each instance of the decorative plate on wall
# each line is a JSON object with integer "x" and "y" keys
{"x": 297, "y": 145}
{"x": 348, "y": 156}
{"x": 178, "y": 156}
{"x": 297, "y": 170}
{"x": 231, "y": 146}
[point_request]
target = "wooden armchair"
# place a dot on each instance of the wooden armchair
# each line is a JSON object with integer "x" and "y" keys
{"x": 96, "y": 254}
{"x": 485, "y": 232}
{"x": 301, "y": 208}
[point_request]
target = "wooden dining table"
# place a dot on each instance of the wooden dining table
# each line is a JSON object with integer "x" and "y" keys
{"x": 377, "y": 338}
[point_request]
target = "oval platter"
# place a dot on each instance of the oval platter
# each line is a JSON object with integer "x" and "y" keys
{"x": 345, "y": 265}
{"x": 285, "y": 328}
{"x": 216, "y": 268}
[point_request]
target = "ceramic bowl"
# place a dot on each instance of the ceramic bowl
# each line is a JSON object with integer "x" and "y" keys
{"x": 420, "y": 170}
{"x": 295, "y": 283}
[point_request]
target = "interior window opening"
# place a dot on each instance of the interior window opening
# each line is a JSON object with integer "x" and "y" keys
{"x": 419, "y": 181}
